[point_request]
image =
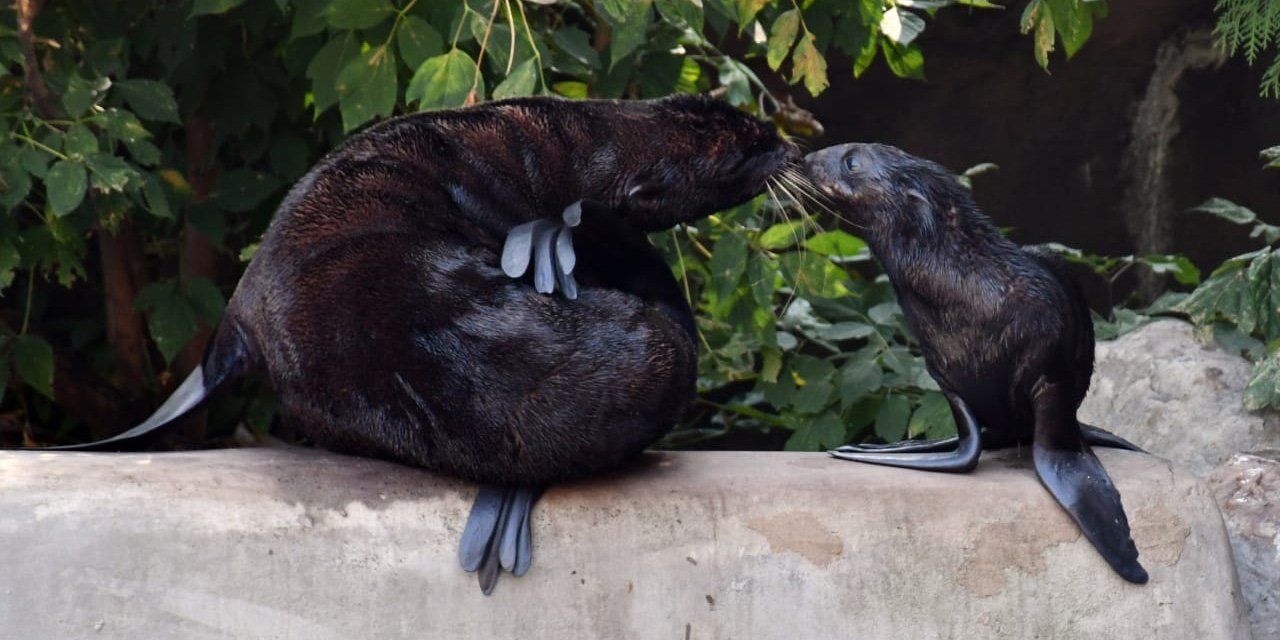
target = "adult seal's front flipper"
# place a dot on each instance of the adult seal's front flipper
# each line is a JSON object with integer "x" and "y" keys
{"x": 927, "y": 455}
{"x": 1069, "y": 470}
{"x": 498, "y": 534}
{"x": 548, "y": 245}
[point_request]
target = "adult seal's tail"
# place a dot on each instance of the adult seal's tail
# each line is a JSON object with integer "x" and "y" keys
{"x": 1004, "y": 330}
{"x": 226, "y": 358}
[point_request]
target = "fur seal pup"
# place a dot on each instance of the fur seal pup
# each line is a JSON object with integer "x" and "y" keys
{"x": 1004, "y": 330}
{"x": 384, "y": 316}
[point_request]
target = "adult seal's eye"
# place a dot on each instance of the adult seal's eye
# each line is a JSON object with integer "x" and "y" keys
{"x": 851, "y": 163}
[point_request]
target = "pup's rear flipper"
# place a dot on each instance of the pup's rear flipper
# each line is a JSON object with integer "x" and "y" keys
{"x": 1103, "y": 438}
{"x": 498, "y": 533}
{"x": 227, "y": 357}
{"x": 929, "y": 455}
{"x": 1077, "y": 480}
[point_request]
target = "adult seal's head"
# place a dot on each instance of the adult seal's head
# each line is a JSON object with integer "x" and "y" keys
{"x": 684, "y": 157}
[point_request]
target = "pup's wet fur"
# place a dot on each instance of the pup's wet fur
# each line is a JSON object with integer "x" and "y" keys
{"x": 1005, "y": 332}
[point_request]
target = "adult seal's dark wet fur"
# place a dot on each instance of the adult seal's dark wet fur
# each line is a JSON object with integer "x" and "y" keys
{"x": 377, "y": 307}
{"x": 1004, "y": 330}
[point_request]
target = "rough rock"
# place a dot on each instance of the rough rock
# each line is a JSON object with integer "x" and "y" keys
{"x": 284, "y": 543}
{"x": 1168, "y": 393}
{"x": 1248, "y": 490}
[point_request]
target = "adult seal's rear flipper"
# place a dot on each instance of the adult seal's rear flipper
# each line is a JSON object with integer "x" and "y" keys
{"x": 548, "y": 246}
{"x": 1077, "y": 480}
{"x": 227, "y": 357}
{"x": 927, "y": 455}
{"x": 498, "y": 534}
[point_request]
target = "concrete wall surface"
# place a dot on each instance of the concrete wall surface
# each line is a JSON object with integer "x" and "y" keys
{"x": 296, "y": 543}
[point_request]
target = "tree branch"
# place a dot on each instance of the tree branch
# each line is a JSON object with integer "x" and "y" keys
{"x": 37, "y": 91}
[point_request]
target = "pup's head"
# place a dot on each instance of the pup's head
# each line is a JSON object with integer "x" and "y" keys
{"x": 883, "y": 188}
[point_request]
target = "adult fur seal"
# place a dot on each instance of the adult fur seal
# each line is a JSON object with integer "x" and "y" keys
{"x": 378, "y": 309}
{"x": 1004, "y": 330}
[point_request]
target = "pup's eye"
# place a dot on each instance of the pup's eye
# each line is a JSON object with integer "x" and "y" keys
{"x": 851, "y": 163}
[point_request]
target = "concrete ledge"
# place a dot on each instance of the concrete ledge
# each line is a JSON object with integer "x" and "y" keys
{"x": 286, "y": 543}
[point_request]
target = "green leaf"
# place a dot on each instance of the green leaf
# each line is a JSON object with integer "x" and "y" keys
{"x": 82, "y": 94}
{"x": 109, "y": 173}
{"x": 825, "y": 431}
{"x": 149, "y": 99}
{"x": 33, "y": 360}
{"x": 891, "y": 419}
{"x": 576, "y": 43}
{"x": 900, "y": 26}
{"x": 571, "y": 89}
{"x": 417, "y": 40}
{"x": 782, "y": 235}
{"x": 241, "y": 190}
{"x": 1038, "y": 19}
{"x": 812, "y": 275}
{"x": 65, "y": 185}
{"x": 522, "y": 81}
{"x": 782, "y": 36}
{"x": 933, "y": 418}
{"x": 367, "y": 87}
{"x": 357, "y": 14}
{"x": 836, "y": 244}
{"x": 904, "y": 61}
{"x": 683, "y": 13}
{"x": 1182, "y": 269}
{"x": 858, "y": 379}
{"x": 10, "y": 259}
{"x": 205, "y": 7}
{"x": 206, "y": 300}
{"x": 80, "y": 141}
{"x": 324, "y": 68}
{"x": 172, "y": 321}
{"x": 157, "y": 199}
{"x": 809, "y": 65}
{"x": 1227, "y": 210}
{"x": 1263, "y": 390}
{"x": 728, "y": 262}
{"x": 813, "y": 379}
{"x": 1073, "y": 20}
{"x": 629, "y": 20}
{"x": 444, "y": 82}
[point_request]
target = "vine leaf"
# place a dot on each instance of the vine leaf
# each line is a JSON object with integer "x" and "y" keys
{"x": 33, "y": 360}
{"x": 809, "y": 65}
{"x": 444, "y": 81}
{"x": 367, "y": 87}
{"x": 150, "y": 99}
{"x": 206, "y": 7}
{"x": 417, "y": 41}
{"x": 358, "y": 14}
{"x": 65, "y": 185}
{"x": 782, "y": 36}
{"x": 522, "y": 81}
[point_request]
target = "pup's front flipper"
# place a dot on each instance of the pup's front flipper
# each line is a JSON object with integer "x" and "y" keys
{"x": 929, "y": 455}
{"x": 498, "y": 534}
{"x": 548, "y": 244}
{"x": 1075, "y": 477}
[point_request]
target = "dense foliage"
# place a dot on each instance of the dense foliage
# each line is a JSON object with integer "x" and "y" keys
{"x": 145, "y": 143}
{"x": 1251, "y": 28}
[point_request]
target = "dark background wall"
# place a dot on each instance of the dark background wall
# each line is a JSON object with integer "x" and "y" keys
{"x": 1060, "y": 140}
